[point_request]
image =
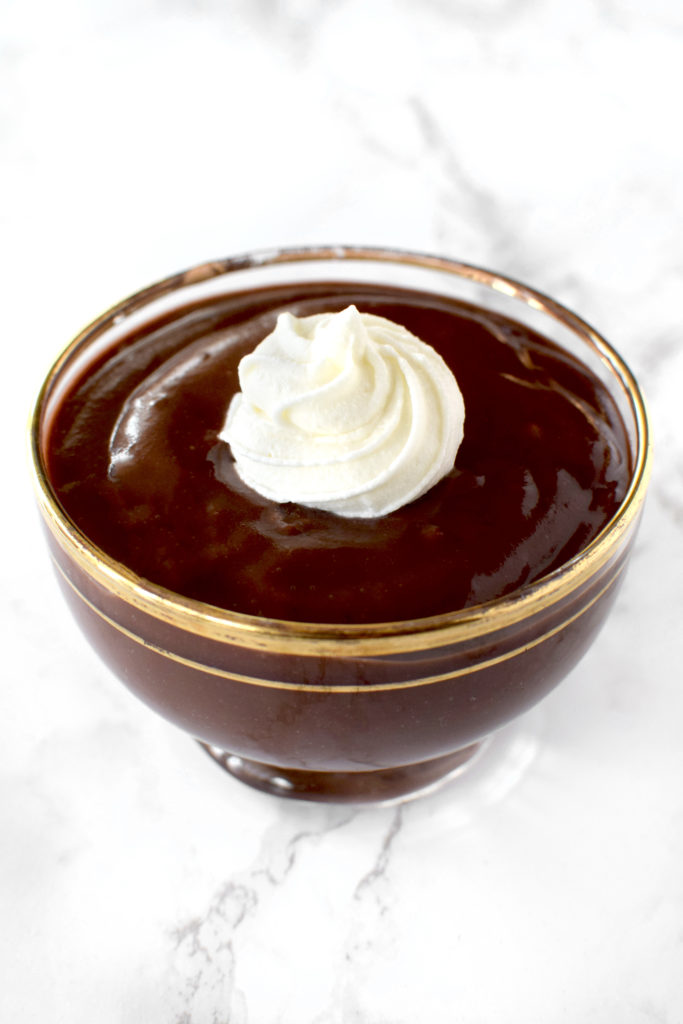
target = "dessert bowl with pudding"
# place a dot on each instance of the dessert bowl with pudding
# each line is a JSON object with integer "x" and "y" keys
{"x": 340, "y": 513}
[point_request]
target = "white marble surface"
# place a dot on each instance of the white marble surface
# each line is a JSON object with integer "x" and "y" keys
{"x": 138, "y": 882}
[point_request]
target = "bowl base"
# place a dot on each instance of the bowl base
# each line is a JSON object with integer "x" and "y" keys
{"x": 375, "y": 786}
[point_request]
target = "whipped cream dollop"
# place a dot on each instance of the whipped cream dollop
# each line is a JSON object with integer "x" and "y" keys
{"x": 346, "y": 412}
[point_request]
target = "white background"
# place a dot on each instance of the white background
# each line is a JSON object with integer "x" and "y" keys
{"x": 138, "y": 883}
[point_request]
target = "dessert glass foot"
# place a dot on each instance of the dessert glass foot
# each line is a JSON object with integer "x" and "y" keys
{"x": 374, "y": 786}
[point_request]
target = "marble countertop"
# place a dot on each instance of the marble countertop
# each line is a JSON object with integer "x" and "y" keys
{"x": 138, "y": 882}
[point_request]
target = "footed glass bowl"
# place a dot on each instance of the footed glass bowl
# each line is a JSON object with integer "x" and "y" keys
{"x": 338, "y": 712}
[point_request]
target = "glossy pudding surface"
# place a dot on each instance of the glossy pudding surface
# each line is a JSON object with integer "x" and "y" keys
{"x": 135, "y": 460}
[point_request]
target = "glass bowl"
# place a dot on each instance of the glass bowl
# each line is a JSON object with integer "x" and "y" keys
{"x": 341, "y": 712}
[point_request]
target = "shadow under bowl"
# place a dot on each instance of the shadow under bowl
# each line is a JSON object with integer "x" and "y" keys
{"x": 338, "y": 712}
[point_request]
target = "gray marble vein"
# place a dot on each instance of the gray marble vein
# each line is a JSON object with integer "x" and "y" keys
{"x": 368, "y": 884}
{"x": 205, "y": 957}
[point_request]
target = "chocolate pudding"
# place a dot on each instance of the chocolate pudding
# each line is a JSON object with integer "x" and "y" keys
{"x": 136, "y": 462}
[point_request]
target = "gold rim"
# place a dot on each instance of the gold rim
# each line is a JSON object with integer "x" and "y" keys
{"x": 367, "y": 639}
{"x": 277, "y": 684}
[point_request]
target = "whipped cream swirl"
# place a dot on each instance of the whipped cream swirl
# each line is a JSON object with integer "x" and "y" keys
{"x": 346, "y": 412}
